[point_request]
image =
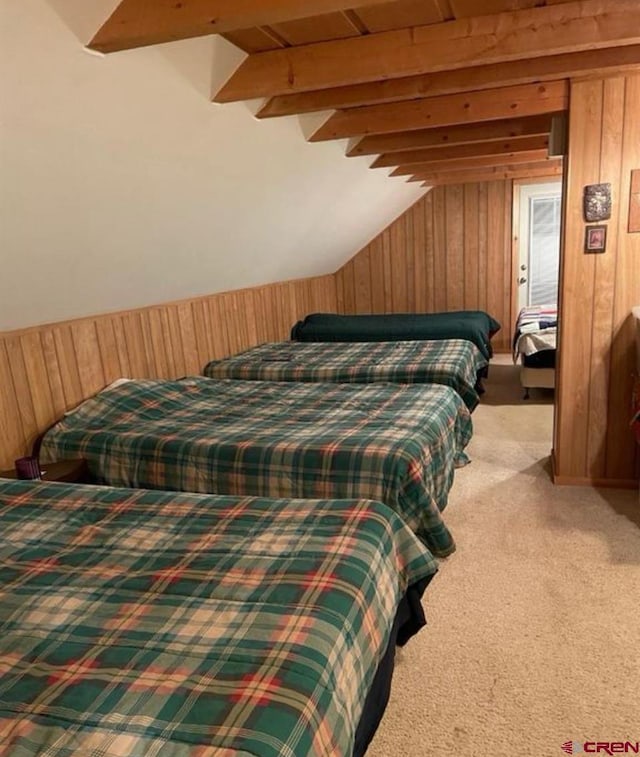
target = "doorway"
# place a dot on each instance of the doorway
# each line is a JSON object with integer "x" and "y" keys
{"x": 539, "y": 243}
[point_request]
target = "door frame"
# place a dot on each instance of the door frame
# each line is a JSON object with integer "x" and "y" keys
{"x": 515, "y": 234}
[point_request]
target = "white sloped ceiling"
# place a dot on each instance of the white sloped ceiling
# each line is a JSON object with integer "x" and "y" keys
{"x": 122, "y": 185}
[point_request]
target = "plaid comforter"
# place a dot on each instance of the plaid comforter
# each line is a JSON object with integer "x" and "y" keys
{"x": 139, "y": 623}
{"x": 395, "y": 444}
{"x": 452, "y": 362}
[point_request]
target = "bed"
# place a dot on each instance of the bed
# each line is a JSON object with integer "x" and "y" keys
{"x": 146, "y": 623}
{"x": 535, "y": 346}
{"x": 474, "y": 325}
{"x": 455, "y": 363}
{"x": 399, "y": 444}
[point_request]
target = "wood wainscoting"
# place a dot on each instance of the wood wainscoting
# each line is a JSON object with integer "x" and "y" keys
{"x": 46, "y": 370}
{"x": 450, "y": 251}
{"x": 593, "y": 437}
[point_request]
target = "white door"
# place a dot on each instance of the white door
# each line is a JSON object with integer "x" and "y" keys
{"x": 540, "y": 214}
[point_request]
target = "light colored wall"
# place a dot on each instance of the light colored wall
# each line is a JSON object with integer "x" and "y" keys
{"x": 122, "y": 185}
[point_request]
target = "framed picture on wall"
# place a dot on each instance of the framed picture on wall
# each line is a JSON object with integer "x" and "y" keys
{"x": 595, "y": 239}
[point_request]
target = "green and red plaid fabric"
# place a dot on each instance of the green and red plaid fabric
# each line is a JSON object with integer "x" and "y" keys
{"x": 397, "y": 444}
{"x": 139, "y": 623}
{"x": 451, "y": 362}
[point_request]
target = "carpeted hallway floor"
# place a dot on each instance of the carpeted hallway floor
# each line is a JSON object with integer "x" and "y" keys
{"x": 534, "y": 623}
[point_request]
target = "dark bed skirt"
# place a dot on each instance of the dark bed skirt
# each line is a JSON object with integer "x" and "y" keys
{"x": 408, "y": 621}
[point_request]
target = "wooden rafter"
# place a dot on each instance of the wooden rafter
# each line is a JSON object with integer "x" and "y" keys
{"x": 481, "y": 40}
{"x": 452, "y": 135}
{"x": 477, "y": 150}
{"x": 465, "y": 177}
{"x": 466, "y": 164}
{"x": 447, "y": 110}
{"x": 448, "y": 82}
{"x": 137, "y": 23}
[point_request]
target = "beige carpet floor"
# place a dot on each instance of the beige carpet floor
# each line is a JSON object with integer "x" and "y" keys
{"x": 534, "y": 623}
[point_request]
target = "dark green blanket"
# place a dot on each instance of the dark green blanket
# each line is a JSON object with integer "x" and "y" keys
{"x": 474, "y": 325}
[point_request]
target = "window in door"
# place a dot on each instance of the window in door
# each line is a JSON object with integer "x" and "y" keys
{"x": 540, "y": 214}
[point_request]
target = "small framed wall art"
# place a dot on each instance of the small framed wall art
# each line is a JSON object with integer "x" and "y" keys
{"x": 597, "y": 202}
{"x": 595, "y": 239}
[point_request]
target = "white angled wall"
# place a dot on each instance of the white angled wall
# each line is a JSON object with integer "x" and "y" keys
{"x": 122, "y": 185}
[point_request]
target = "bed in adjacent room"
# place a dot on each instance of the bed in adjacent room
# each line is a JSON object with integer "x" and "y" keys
{"x": 451, "y": 362}
{"x": 399, "y": 444}
{"x": 535, "y": 346}
{"x": 473, "y": 325}
{"x": 144, "y": 622}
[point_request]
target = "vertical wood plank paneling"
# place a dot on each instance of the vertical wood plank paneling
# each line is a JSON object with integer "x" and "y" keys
{"x": 108, "y": 346}
{"x": 483, "y": 248}
{"x": 387, "y": 268}
{"x": 362, "y": 281}
{"x": 37, "y": 377}
{"x": 623, "y": 458}
{"x": 471, "y": 245}
{"x": 398, "y": 257}
{"x": 85, "y": 340}
{"x": 503, "y": 341}
{"x": 409, "y": 233}
{"x": 53, "y": 372}
{"x": 604, "y": 273}
{"x": 429, "y": 251}
{"x": 419, "y": 280}
{"x": 68, "y": 365}
{"x": 376, "y": 275}
{"x": 188, "y": 333}
{"x": 495, "y": 258}
{"x": 12, "y": 428}
{"x": 177, "y": 343}
{"x": 454, "y": 269}
{"x": 440, "y": 249}
{"x": 47, "y": 370}
{"x": 135, "y": 346}
{"x": 593, "y": 441}
{"x": 451, "y": 251}
{"x": 21, "y": 394}
{"x": 577, "y": 285}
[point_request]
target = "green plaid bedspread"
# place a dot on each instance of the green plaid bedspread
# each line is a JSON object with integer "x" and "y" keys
{"x": 451, "y": 362}
{"x": 138, "y": 623}
{"x": 397, "y": 444}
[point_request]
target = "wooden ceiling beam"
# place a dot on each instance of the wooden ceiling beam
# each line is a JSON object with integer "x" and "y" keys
{"x": 477, "y": 150}
{"x": 468, "y": 177}
{"x": 447, "y": 110}
{"x": 466, "y": 164}
{"x": 481, "y": 40}
{"x": 137, "y": 23}
{"x": 569, "y": 65}
{"x": 452, "y": 135}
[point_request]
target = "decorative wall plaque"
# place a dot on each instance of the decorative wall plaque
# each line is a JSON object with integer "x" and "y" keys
{"x": 597, "y": 202}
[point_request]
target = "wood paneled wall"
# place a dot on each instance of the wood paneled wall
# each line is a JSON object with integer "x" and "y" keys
{"x": 593, "y": 441}
{"x": 450, "y": 251}
{"x": 46, "y": 370}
